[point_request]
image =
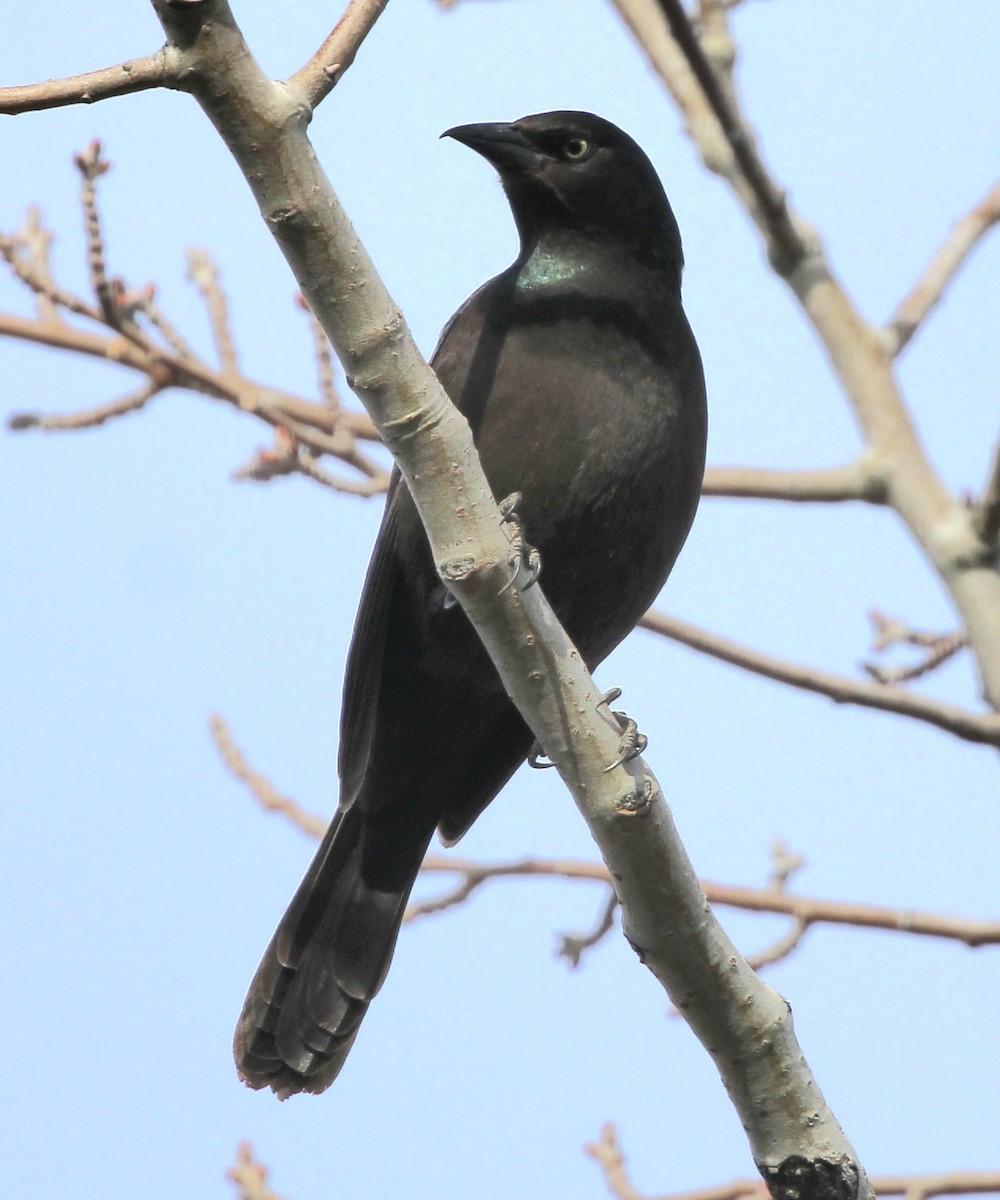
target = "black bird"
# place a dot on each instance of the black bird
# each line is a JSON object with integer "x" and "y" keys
{"x": 581, "y": 380}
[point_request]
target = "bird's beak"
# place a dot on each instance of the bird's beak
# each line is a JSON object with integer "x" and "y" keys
{"x": 503, "y": 145}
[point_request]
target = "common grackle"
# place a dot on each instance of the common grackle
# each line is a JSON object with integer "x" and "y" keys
{"x": 581, "y": 380}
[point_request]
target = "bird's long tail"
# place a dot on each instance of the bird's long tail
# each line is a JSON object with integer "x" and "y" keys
{"x": 325, "y": 963}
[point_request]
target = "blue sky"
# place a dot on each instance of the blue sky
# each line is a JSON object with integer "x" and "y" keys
{"x": 144, "y": 590}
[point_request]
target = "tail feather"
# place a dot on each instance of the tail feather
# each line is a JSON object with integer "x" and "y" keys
{"x": 326, "y": 962}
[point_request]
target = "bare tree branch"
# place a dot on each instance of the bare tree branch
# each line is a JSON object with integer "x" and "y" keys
{"x": 326, "y": 67}
{"x": 809, "y": 910}
{"x": 324, "y": 360}
{"x": 572, "y": 946}
{"x": 941, "y": 270}
{"x": 786, "y": 242}
{"x": 87, "y": 418}
{"x": 134, "y": 75}
{"x": 782, "y": 948}
{"x": 948, "y": 1183}
{"x": 856, "y": 481}
{"x": 607, "y": 1152}
{"x": 804, "y": 910}
{"x": 261, "y": 787}
{"x": 250, "y": 1176}
{"x": 891, "y": 631}
{"x": 34, "y": 273}
{"x": 204, "y": 274}
{"x": 971, "y": 727}
{"x": 36, "y": 241}
{"x": 92, "y": 165}
{"x": 315, "y": 429}
{"x": 859, "y": 354}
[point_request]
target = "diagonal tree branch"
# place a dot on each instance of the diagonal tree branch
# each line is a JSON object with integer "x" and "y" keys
{"x": 664, "y": 909}
{"x": 942, "y": 526}
{"x": 324, "y": 70}
{"x": 787, "y": 245}
{"x": 963, "y": 724}
{"x": 305, "y": 431}
{"x": 941, "y": 270}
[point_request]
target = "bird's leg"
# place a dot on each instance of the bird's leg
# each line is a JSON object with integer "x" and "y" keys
{"x": 535, "y": 756}
{"x": 521, "y": 553}
{"x": 633, "y": 742}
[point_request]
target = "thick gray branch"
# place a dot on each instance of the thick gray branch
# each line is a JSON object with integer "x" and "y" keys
{"x": 666, "y": 916}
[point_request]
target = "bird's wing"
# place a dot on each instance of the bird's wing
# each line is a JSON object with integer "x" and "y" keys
{"x": 365, "y": 670}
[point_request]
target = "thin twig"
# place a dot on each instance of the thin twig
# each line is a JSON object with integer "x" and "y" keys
{"x": 809, "y": 909}
{"x": 280, "y": 458}
{"x": 44, "y": 287}
{"x": 948, "y": 1183}
{"x": 324, "y": 358}
{"x": 134, "y": 75}
{"x": 784, "y": 864}
{"x": 470, "y": 881}
{"x": 573, "y": 945}
{"x": 945, "y": 648}
{"x": 250, "y": 1176}
{"x": 90, "y": 417}
{"x": 309, "y": 423}
{"x": 37, "y": 242}
{"x": 204, "y": 274}
{"x": 781, "y": 948}
{"x": 92, "y": 166}
{"x": 607, "y": 1152}
{"x": 261, "y": 787}
{"x": 374, "y": 485}
{"x": 968, "y": 726}
{"x": 145, "y": 302}
{"x": 891, "y": 631}
{"x": 941, "y": 270}
{"x": 856, "y": 481}
{"x": 170, "y": 361}
{"x": 327, "y": 66}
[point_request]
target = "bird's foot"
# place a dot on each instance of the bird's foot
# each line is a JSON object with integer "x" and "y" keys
{"x": 535, "y": 756}
{"x": 522, "y": 554}
{"x": 633, "y": 742}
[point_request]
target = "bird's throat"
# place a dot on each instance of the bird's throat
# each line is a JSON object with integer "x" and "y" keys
{"x": 555, "y": 263}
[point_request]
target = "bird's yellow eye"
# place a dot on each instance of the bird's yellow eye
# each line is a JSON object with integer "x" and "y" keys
{"x": 576, "y": 148}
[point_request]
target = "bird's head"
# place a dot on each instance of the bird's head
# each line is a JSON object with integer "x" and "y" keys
{"x": 573, "y": 170}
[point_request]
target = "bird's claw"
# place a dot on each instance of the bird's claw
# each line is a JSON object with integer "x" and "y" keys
{"x": 633, "y": 742}
{"x": 522, "y": 554}
{"x": 535, "y": 756}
